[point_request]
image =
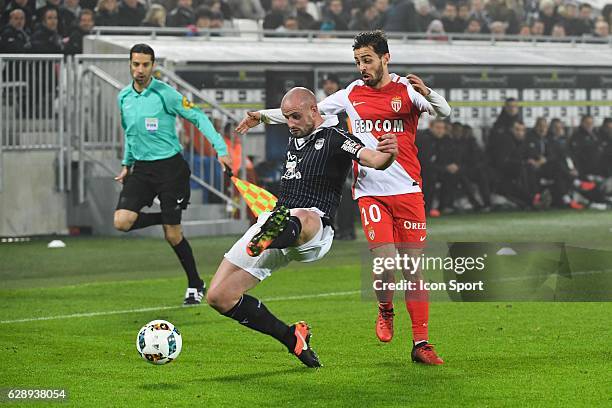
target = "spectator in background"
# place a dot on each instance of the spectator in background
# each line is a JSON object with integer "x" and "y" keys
{"x": 277, "y": 14}
{"x": 476, "y": 167}
{"x": 424, "y": 15}
{"x": 306, "y": 21}
{"x": 69, "y": 13}
{"x": 365, "y": 19}
{"x": 473, "y": 26}
{"x": 155, "y": 17}
{"x": 334, "y": 17}
{"x": 537, "y": 28}
{"x": 584, "y": 25}
{"x": 250, "y": 9}
{"x": 558, "y": 31}
{"x": 517, "y": 179}
{"x": 402, "y": 17}
{"x": 602, "y": 30}
{"x": 131, "y": 13}
{"x": 106, "y": 13}
{"x": 569, "y": 19}
{"x": 498, "y": 11}
{"x": 26, "y": 6}
{"x": 501, "y": 129}
{"x": 450, "y": 21}
{"x": 182, "y": 16}
{"x": 290, "y": 24}
{"x": 75, "y": 40}
{"x": 549, "y": 159}
{"x": 498, "y": 28}
{"x": 605, "y": 138}
{"x": 46, "y": 39}
{"x": 585, "y": 149}
{"x": 62, "y": 29}
{"x": 220, "y": 7}
{"x": 478, "y": 12}
{"x": 435, "y": 31}
{"x": 13, "y": 38}
{"x": 427, "y": 144}
{"x": 556, "y": 132}
{"x": 383, "y": 8}
{"x": 216, "y": 21}
{"x": 524, "y": 30}
{"x": 548, "y": 15}
{"x": 463, "y": 14}
{"x": 204, "y": 16}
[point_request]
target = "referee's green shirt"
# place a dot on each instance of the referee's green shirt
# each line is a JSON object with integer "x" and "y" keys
{"x": 149, "y": 119}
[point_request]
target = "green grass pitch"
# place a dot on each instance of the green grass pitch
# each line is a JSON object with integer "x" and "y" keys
{"x": 496, "y": 354}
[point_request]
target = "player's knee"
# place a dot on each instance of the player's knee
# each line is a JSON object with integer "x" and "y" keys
{"x": 173, "y": 237}
{"x": 310, "y": 221}
{"x": 218, "y": 300}
{"x": 122, "y": 223}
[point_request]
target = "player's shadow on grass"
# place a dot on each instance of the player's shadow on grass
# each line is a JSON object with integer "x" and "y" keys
{"x": 257, "y": 375}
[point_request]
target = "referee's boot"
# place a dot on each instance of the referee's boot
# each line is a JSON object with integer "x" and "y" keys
{"x": 270, "y": 230}
{"x": 194, "y": 296}
{"x": 302, "y": 348}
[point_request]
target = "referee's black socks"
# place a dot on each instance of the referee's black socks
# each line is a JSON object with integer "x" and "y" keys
{"x": 146, "y": 220}
{"x": 185, "y": 255}
{"x": 253, "y": 314}
{"x": 289, "y": 235}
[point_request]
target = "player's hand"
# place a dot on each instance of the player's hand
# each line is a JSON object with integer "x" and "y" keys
{"x": 418, "y": 84}
{"x": 387, "y": 143}
{"x": 122, "y": 175}
{"x": 226, "y": 162}
{"x": 252, "y": 119}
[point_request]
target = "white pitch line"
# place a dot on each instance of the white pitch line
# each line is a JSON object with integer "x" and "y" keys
{"x": 155, "y": 309}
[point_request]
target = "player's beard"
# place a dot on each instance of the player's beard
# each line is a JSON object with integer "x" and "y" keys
{"x": 299, "y": 133}
{"x": 373, "y": 81}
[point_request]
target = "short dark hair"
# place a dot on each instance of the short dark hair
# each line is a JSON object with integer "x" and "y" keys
{"x": 375, "y": 39}
{"x": 204, "y": 12}
{"x": 331, "y": 77}
{"x": 87, "y": 12}
{"x": 142, "y": 49}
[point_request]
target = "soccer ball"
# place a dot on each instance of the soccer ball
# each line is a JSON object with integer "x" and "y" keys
{"x": 159, "y": 342}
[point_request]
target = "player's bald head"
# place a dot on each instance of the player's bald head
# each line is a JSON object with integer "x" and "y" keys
{"x": 298, "y": 97}
{"x": 299, "y": 106}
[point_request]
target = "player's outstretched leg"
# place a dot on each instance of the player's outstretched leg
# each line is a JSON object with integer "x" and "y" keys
{"x": 227, "y": 295}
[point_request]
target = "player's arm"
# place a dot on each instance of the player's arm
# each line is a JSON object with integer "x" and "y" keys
{"x": 383, "y": 156}
{"x": 379, "y": 159}
{"x": 331, "y": 105}
{"x": 181, "y": 106}
{"x": 128, "y": 159}
{"x": 426, "y": 99}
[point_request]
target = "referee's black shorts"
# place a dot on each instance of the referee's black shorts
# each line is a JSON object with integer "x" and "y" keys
{"x": 167, "y": 179}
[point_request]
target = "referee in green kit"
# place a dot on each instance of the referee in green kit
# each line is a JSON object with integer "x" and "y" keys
{"x": 153, "y": 153}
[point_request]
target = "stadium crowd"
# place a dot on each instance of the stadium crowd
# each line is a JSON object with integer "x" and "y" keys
{"x": 546, "y": 166}
{"x": 58, "y": 26}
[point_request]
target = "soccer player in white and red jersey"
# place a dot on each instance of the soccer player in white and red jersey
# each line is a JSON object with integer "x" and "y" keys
{"x": 390, "y": 201}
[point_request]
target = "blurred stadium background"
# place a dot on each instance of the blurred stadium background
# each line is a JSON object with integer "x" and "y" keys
{"x": 547, "y": 63}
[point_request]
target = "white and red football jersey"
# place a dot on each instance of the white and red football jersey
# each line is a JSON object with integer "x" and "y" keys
{"x": 395, "y": 108}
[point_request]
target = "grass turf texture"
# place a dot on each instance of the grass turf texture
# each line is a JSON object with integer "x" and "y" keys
{"x": 497, "y": 354}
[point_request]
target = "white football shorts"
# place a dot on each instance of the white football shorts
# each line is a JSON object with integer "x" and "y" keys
{"x": 270, "y": 260}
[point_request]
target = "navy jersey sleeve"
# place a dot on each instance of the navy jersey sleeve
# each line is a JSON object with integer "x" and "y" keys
{"x": 345, "y": 144}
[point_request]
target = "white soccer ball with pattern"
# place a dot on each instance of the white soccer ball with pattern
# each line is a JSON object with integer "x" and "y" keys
{"x": 159, "y": 342}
